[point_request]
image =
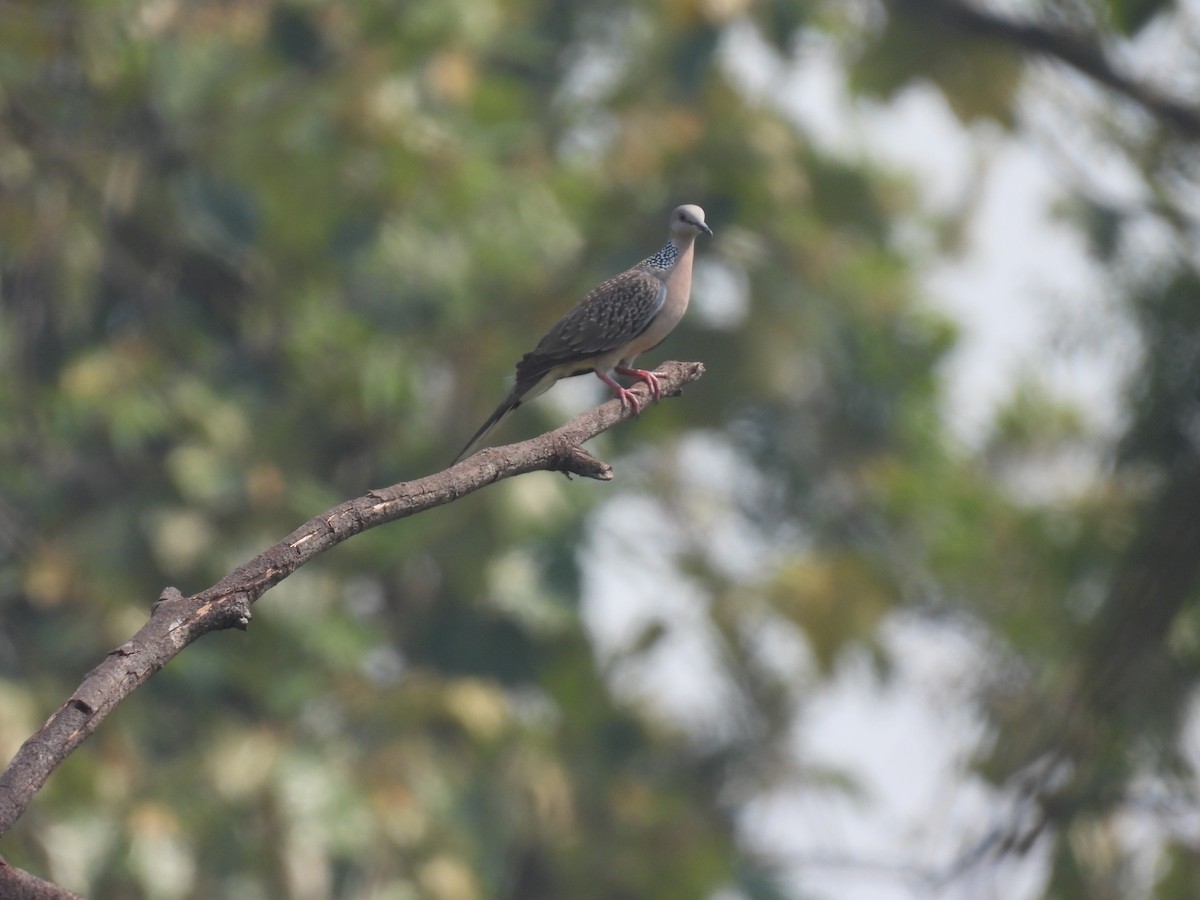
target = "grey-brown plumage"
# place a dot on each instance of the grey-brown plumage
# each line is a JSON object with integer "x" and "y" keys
{"x": 626, "y": 315}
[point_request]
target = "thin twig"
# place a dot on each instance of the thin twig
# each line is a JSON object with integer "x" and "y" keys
{"x": 1078, "y": 52}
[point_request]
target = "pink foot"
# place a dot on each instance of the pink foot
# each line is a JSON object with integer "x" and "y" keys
{"x": 628, "y": 397}
{"x": 642, "y": 375}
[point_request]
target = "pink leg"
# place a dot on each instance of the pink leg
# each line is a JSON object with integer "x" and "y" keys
{"x": 628, "y": 398}
{"x": 642, "y": 375}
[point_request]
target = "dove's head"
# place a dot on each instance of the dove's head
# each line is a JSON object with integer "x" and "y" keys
{"x": 687, "y": 221}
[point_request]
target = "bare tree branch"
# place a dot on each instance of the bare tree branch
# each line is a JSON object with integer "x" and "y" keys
{"x": 1077, "y": 52}
{"x": 17, "y": 884}
{"x": 176, "y": 620}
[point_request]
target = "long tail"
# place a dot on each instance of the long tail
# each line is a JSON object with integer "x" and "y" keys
{"x": 511, "y": 402}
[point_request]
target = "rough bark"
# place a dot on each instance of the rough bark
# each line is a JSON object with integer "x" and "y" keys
{"x": 17, "y": 884}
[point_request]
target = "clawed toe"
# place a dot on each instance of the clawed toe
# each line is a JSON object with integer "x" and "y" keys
{"x": 650, "y": 378}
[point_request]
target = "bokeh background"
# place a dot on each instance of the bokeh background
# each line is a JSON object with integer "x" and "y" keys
{"x": 900, "y": 600}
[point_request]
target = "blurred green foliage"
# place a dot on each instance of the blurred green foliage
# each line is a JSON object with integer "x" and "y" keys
{"x": 258, "y": 258}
